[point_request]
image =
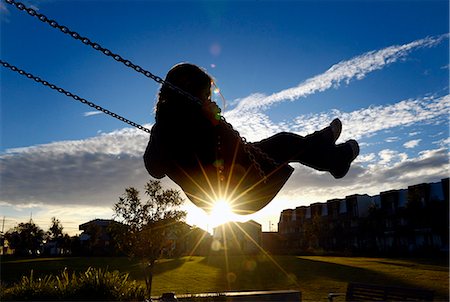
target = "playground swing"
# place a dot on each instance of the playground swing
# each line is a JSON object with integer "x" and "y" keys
{"x": 245, "y": 177}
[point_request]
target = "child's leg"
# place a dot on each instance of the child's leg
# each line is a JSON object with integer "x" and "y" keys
{"x": 288, "y": 147}
{"x": 315, "y": 151}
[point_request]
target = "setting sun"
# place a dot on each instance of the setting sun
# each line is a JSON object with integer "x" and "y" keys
{"x": 221, "y": 213}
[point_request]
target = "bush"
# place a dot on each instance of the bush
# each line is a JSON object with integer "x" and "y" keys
{"x": 94, "y": 284}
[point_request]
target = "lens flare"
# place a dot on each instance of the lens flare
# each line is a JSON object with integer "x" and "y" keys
{"x": 221, "y": 212}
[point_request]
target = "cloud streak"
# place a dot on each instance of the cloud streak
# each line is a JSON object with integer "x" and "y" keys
{"x": 412, "y": 143}
{"x": 342, "y": 72}
{"x": 74, "y": 172}
{"x": 357, "y": 124}
{"x": 91, "y": 113}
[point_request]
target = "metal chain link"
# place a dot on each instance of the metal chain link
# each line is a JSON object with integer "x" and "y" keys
{"x": 98, "y": 47}
{"x": 248, "y": 148}
{"x": 251, "y": 151}
{"x": 74, "y": 96}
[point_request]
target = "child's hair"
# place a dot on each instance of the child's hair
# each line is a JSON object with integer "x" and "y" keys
{"x": 187, "y": 77}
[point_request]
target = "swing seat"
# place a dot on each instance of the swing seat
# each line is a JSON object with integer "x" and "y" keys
{"x": 245, "y": 191}
{"x": 239, "y": 182}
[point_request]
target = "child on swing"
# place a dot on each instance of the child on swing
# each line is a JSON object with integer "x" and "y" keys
{"x": 200, "y": 151}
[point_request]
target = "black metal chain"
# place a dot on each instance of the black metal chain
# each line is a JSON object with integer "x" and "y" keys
{"x": 98, "y": 47}
{"x": 249, "y": 149}
{"x": 74, "y": 96}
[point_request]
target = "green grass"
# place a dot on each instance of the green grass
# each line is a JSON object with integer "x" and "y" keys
{"x": 315, "y": 276}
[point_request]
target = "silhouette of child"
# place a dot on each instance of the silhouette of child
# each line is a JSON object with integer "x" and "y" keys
{"x": 200, "y": 151}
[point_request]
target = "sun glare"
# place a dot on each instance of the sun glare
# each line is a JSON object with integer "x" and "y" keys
{"x": 221, "y": 213}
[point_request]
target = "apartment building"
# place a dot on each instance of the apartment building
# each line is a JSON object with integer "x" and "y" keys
{"x": 395, "y": 221}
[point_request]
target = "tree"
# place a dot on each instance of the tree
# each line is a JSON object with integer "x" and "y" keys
{"x": 57, "y": 242}
{"x": 147, "y": 226}
{"x": 55, "y": 230}
{"x": 26, "y": 238}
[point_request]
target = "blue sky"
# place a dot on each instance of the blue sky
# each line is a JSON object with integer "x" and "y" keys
{"x": 380, "y": 66}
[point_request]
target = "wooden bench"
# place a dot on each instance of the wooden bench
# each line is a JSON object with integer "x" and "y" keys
{"x": 245, "y": 296}
{"x": 372, "y": 292}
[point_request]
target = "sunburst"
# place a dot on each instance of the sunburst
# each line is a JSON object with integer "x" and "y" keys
{"x": 222, "y": 212}
{"x": 221, "y": 206}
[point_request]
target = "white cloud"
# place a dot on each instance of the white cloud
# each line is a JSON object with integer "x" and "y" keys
{"x": 389, "y": 157}
{"x": 5, "y": 11}
{"x": 392, "y": 139}
{"x": 437, "y": 134}
{"x": 91, "y": 113}
{"x": 364, "y": 122}
{"x": 123, "y": 141}
{"x": 74, "y": 172}
{"x": 414, "y": 133}
{"x": 445, "y": 142}
{"x": 249, "y": 119}
{"x": 71, "y": 216}
{"x": 345, "y": 71}
{"x": 366, "y": 158}
{"x": 412, "y": 143}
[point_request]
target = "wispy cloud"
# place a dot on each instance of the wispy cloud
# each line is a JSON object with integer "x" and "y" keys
{"x": 445, "y": 142}
{"x": 392, "y": 139}
{"x": 412, "y": 143}
{"x": 4, "y": 12}
{"x": 414, "y": 133}
{"x": 249, "y": 118}
{"x": 74, "y": 172}
{"x": 343, "y": 72}
{"x": 91, "y": 113}
{"x": 387, "y": 157}
{"x": 357, "y": 124}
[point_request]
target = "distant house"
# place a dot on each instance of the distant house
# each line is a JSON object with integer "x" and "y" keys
{"x": 191, "y": 240}
{"x": 96, "y": 238}
{"x": 239, "y": 237}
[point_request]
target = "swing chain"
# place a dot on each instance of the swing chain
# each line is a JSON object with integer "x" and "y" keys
{"x": 74, "y": 96}
{"x": 96, "y": 46}
{"x": 248, "y": 148}
{"x": 251, "y": 150}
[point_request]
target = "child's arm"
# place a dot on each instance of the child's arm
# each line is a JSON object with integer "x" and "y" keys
{"x": 154, "y": 159}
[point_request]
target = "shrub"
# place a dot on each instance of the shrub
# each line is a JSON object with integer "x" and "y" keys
{"x": 94, "y": 284}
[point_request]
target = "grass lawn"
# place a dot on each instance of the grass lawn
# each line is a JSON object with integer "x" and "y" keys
{"x": 315, "y": 276}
